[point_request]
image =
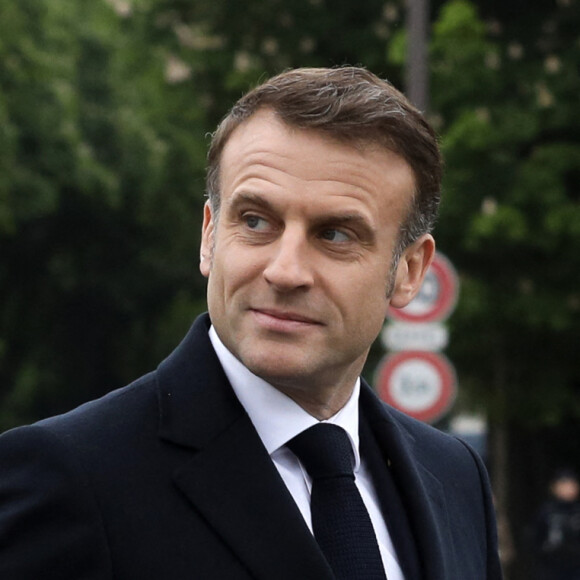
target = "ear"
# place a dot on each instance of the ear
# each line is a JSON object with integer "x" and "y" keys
{"x": 207, "y": 240}
{"x": 411, "y": 270}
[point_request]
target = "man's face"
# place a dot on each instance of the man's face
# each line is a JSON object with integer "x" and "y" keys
{"x": 298, "y": 261}
{"x": 566, "y": 489}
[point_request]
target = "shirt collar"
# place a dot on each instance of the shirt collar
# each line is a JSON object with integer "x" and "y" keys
{"x": 276, "y": 417}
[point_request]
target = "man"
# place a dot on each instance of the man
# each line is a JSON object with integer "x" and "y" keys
{"x": 557, "y": 530}
{"x": 323, "y": 188}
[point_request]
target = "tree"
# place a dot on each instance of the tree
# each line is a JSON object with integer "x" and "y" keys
{"x": 511, "y": 216}
{"x": 96, "y": 167}
{"x": 506, "y": 104}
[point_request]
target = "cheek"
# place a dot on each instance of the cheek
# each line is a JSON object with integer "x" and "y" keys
{"x": 367, "y": 302}
{"x": 231, "y": 269}
{"x": 373, "y": 313}
{"x": 376, "y": 300}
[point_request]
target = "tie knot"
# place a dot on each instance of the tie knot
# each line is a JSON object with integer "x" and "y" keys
{"x": 325, "y": 451}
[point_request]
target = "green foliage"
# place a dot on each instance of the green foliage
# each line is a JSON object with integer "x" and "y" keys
{"x": 510, "y": 217}
{"x": 100, "y": 203}
{"x": 105, "y": 106}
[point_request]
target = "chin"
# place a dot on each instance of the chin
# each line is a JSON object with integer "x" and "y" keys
{"x": 276, "y": 369}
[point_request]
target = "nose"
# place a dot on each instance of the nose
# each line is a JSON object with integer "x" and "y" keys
{"x": 289, "y": 265}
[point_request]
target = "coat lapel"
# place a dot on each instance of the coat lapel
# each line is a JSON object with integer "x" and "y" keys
{"x": 229, "y": 477}
{"x": 234, "y": 485}
{"x": 421, "y": 491}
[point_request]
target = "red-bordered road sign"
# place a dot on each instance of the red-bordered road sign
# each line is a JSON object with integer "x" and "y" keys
{"x": 436, "y": 298}
{"x": 421, "y": 384}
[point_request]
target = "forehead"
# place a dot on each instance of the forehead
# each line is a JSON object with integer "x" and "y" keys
{"x": 265, "y": 146}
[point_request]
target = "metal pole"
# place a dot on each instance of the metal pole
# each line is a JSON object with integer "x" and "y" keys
{"x": 416, "y": 73}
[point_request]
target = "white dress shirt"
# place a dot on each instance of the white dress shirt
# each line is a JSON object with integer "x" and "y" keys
{"x": 277, "y": 419}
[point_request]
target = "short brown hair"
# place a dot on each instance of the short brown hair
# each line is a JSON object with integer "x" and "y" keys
{"x": 352, "y": 105}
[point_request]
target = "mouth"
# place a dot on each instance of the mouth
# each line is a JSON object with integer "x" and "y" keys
{"x": 283, "y": 320}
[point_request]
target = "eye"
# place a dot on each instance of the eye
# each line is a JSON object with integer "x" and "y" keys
{"x": 335, "y": 236}
{"x": 256, "y": 223}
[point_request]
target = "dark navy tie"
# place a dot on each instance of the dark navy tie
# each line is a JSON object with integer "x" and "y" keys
{"x": 341, "y": 524}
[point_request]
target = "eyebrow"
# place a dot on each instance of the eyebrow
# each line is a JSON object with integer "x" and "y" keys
{"x": 251, "y": 198}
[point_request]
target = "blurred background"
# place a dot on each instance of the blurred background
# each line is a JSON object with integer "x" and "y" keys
{"x": 105, "y": 111}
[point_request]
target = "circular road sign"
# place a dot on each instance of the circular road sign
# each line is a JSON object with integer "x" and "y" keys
{"x": 436, "y": 298}
{"x": 421, "y": 384}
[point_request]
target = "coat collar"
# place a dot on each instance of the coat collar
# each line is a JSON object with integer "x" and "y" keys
{"x": 229, "y": 478}
{"x": 196, "y": 402}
